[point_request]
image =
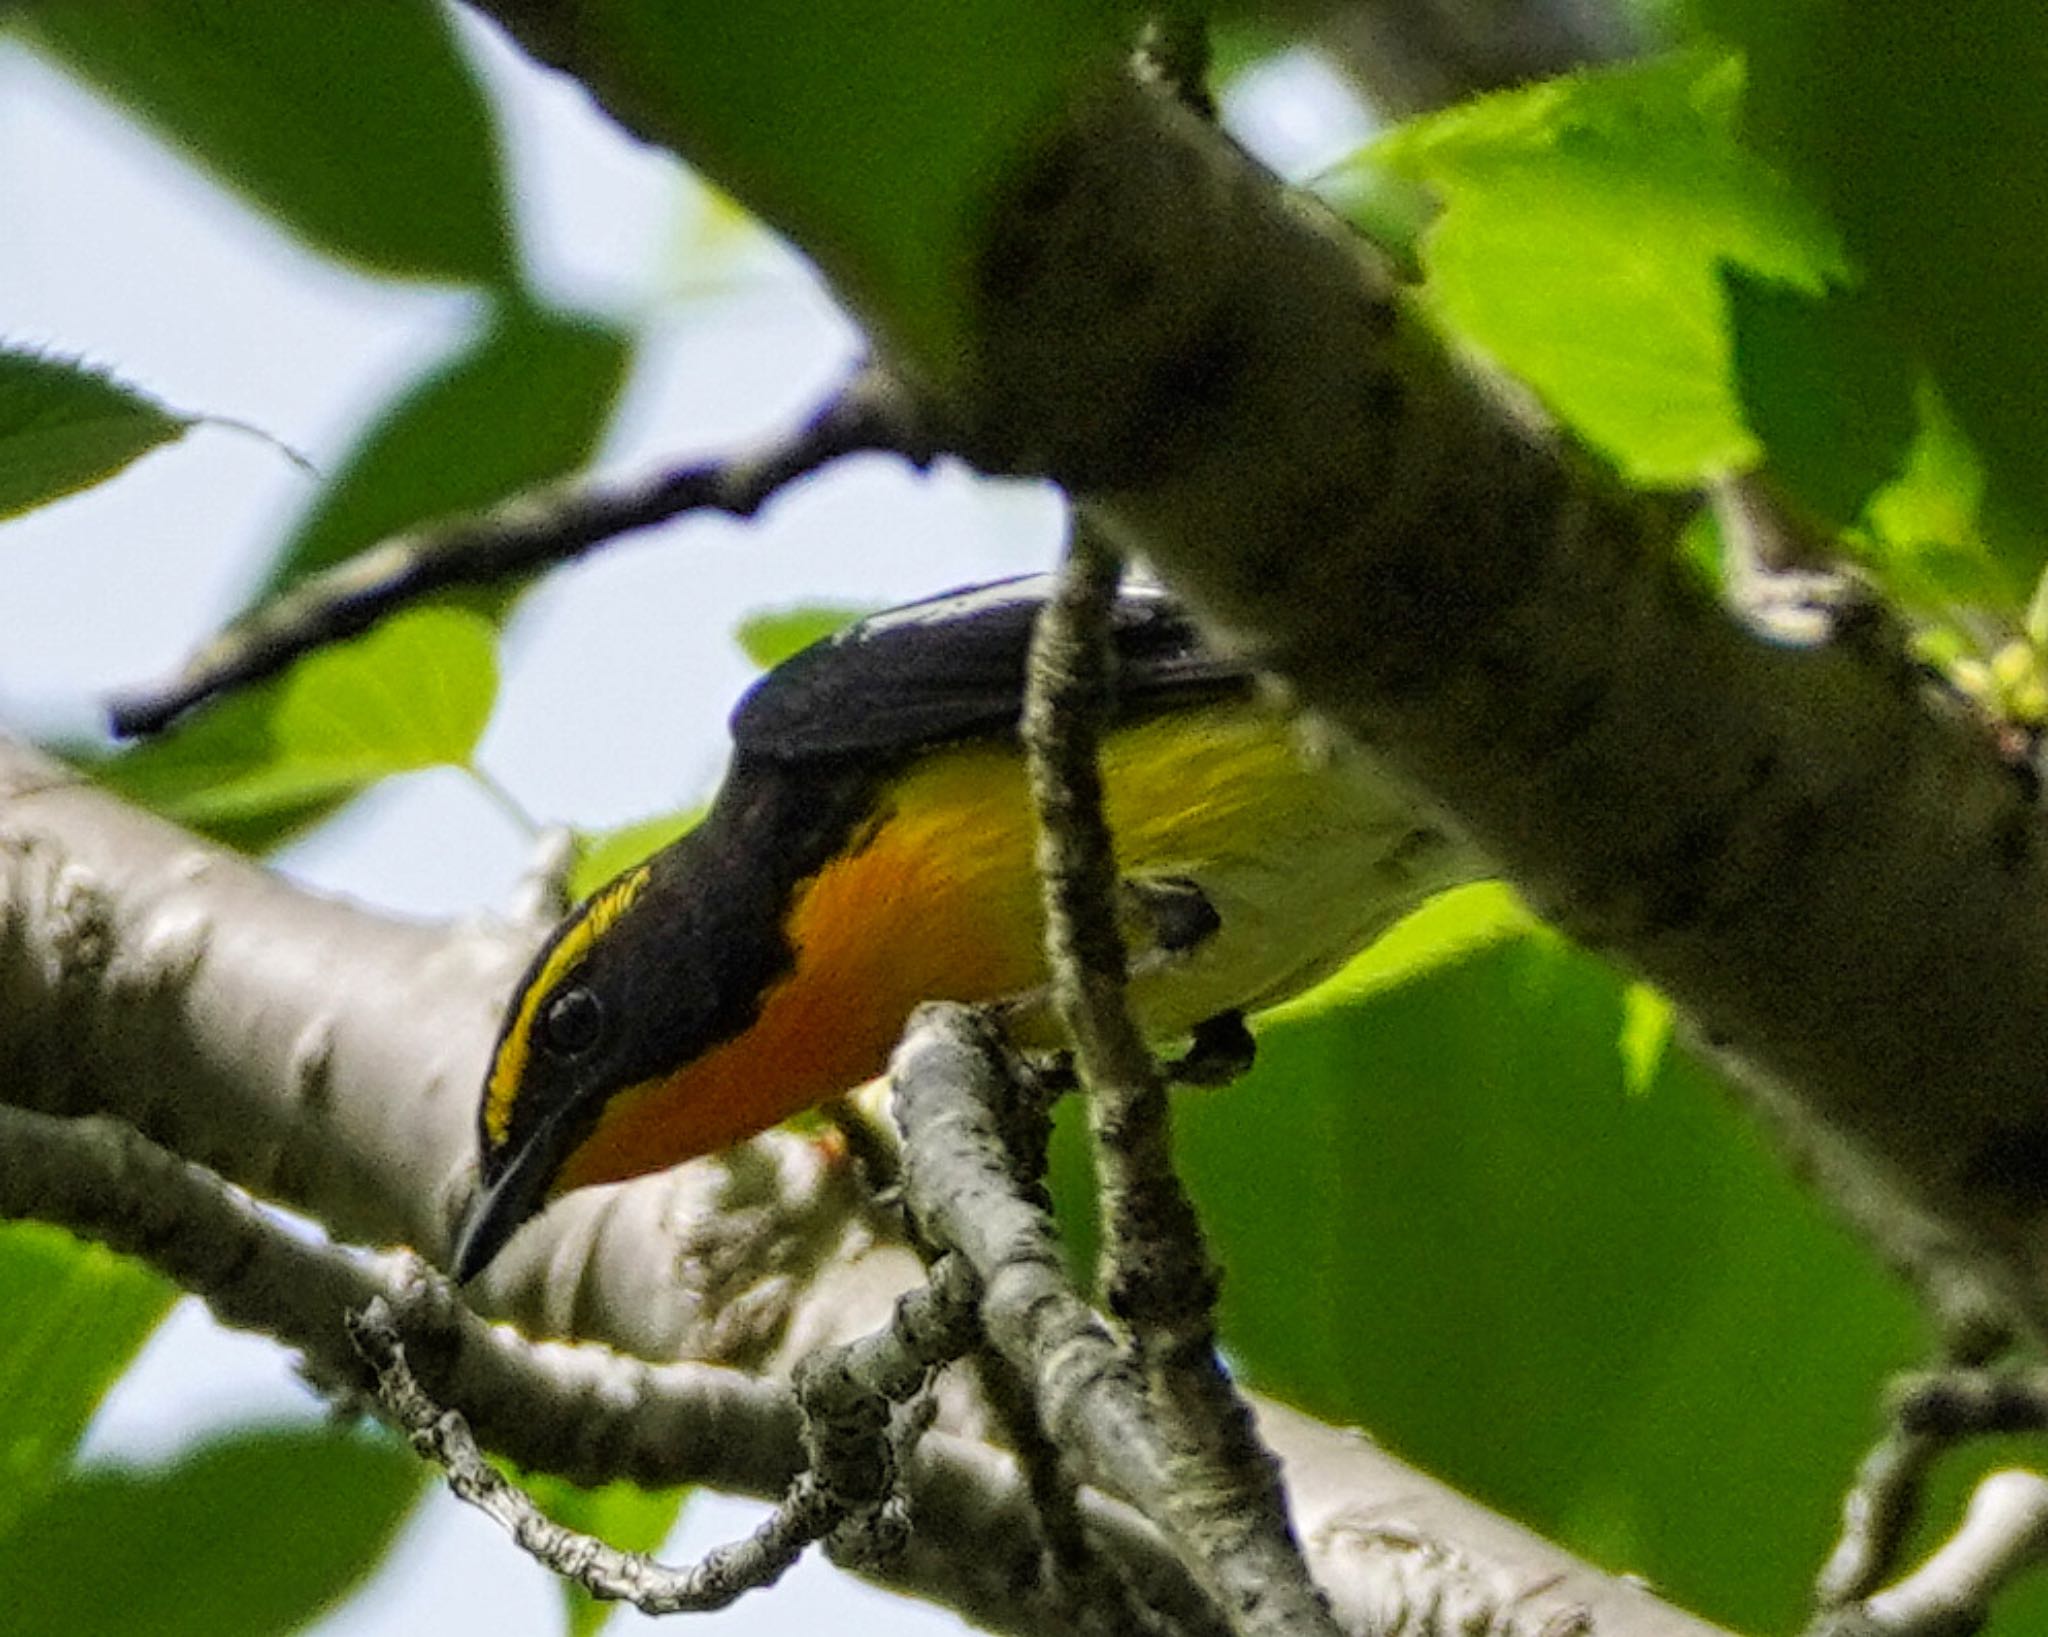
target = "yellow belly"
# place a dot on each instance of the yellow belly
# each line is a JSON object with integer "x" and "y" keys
{"x": 1304, "y": 858}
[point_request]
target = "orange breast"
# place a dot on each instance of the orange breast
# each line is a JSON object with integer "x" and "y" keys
{"x": 939, "y": 902}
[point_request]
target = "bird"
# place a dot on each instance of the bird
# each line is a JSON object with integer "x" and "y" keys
{"x": 871, "y": 847}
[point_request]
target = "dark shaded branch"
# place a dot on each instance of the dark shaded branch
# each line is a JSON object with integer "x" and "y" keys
{"x": 1414, "y": 55}
{"x": 518, "y": 538}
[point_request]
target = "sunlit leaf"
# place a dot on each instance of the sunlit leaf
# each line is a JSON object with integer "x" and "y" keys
{"x": 65, "y": 426}
{"x": 1451, "y": 927}
{"x": 414, "y": 693}
{"x": 1580, "y": 243}
{"x": 771, "y": 637}
{"x": 1646, "y": 1022}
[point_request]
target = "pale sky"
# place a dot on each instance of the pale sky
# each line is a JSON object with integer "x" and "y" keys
{"x": 617, "y": 674}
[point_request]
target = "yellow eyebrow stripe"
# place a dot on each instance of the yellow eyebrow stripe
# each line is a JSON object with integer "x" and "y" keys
{"x": 599, "y": 915}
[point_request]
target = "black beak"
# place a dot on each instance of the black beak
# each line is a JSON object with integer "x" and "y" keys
{"x": 502, "y": 1205}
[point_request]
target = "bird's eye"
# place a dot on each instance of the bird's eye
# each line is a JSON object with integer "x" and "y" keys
{"x": 571, "y": 1023}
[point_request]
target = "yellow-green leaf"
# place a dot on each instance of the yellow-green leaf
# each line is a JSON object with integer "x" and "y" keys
{"x": 770, "y": 637}
{"x": 414, "y": 693}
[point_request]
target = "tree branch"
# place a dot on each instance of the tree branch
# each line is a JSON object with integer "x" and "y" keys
{"x": 518, "y": 538}
{"x": 1223, "y": 1500}
{"x": 951, "y": 1089}
{"x": 1837, "y": 880}
{"x": 1413, "y": 55}
{"x": 329, "y": 1058}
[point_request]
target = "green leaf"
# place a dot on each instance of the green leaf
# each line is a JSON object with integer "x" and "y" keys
{"x": 602, "y": 854}
{"x": 524, "y": 404}
{"x": 779, "y": 103}
{"x": 1646, "y": 1022}
{"x": 1928, "y": 140}
{"x": 414, "y": 693}
{"x": 1825, "y": 387}
{"x": 359, "y": 127}
{"x": 1583, "y": 229}
{"x": 620, "y": 1514}
{"x": 771, "y": 637}
{"x": 1451, "y": 927}
{"x": 256, "y": 1535}
{"x": 1442, "y": 1216}
{"x": 65, "y": 426}
{"x": 76, "y": 1314}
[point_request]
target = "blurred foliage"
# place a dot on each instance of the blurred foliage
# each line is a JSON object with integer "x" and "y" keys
{"x": 1924, "y": 132}
{"x": 603, "y": 854}
{"x": 771, "y": 637}
{"x": 779, "y": 104}
{"x": 1476, "y": 1197}
{"x": 414, "y": 693}
{"x": 65, "y": 426}
{"x": 249, "y": 1536}
{"x": 524, "y": 404}
{"x": 358, "y": 127}
{"x": 75, "y": 1316}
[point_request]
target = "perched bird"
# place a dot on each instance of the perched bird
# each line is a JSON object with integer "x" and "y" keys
{"x": 872, "y": 848}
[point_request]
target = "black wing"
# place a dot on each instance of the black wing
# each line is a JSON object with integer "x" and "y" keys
{"x": 952, "y": 667}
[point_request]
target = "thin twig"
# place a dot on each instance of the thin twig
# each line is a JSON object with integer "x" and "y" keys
{"x": 1931, "y": 1411}
{"x": 2003, "y": 1534}
{"x": 520, "y": 537}
{"x": 847, "y": 1495}
{"x": 1226, "y": 1495}
{"x": 443, "y": 1437}
{"x": 1879, "y": 1510}
{"x": 582, "y": 1412}
{"x": 586, "y": 1413}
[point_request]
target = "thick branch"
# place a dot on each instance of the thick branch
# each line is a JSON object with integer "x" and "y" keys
{"x": 1843, "y": 884}
{"x": 328, "y": 1058}
{"x": 949, "y": 1089}
{"x": 1838, "y": 881}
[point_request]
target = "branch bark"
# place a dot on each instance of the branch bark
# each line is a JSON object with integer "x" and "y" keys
{"x": 327, "y": 1058}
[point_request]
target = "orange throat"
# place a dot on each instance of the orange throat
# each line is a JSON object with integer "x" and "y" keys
{"x": 940, "y": 902}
